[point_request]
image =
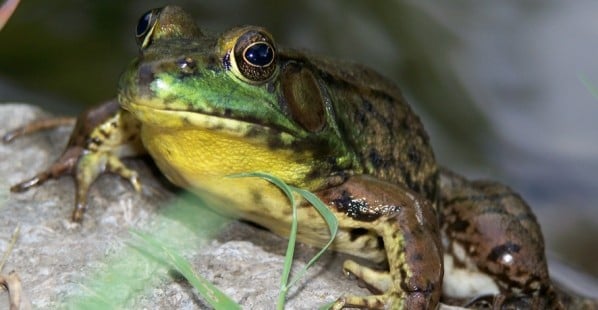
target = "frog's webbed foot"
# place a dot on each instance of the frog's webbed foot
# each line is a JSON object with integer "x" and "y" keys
{"x": 89, "y": 167}
{"x": 406, "y": 226}
{"x": 101, "y": 135}
{"x": 378, "y": 281}
{"x": 404, "y": 297}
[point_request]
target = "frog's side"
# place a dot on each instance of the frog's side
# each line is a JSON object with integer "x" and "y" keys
{"x": 206, "y": 107}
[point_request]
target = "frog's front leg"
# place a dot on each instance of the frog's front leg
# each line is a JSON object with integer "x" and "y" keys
{"x": 408, "y": 227}
{"x": 101, "y": 136}
{"x": 492, "y": 233}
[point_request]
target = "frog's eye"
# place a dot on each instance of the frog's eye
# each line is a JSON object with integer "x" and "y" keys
{"x": 259, "y": 54}
{"x": 145, "y": 27}
{"x": 254, "y": 58}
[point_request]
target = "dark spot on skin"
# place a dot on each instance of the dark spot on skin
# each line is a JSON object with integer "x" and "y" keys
{"x": 459, "y": 225}
{"x": 274, "y": 142}
{"x": 367, "y": 105}
{"x": 256, "y": 197}
{"x": 168, "y": 100}
{"x": 408, "y": 179}
{"x": 404, "y": 125}
{"x": 357, "y": 209}
{"x": 113, "y": 124}
{"x": 357, "y": 232}
{"x": 361, "y": 117}
{"x": 376, "y": 159}
{"x": 416, "y": 257}
{"x": 104, "y": 133}
{"x": 96, "y": 140}
{"x": 186, "y": 120}
{"x": 314, "y": 174}
{"x": 344, "y": 199}
{"x": 431, "y": 187}
{"x": 131, "y": 138}
{"x": 227, "y": 112}
{"x": 507, "y": 248}
{"x": 413, "y": 156}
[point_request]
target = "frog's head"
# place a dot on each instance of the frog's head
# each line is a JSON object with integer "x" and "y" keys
{"x": 235, "y": 87}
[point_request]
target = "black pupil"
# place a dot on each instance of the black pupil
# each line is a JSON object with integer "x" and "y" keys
{"x": 144, "y": 23}
{"x": 259, "y": 54}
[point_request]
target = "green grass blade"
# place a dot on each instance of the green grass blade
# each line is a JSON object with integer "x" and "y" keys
{"x": 288, "y": 259}
{"x": 331, "y": 221}
{"x": 159, "y": 252}
{"x": 322, "y": 208}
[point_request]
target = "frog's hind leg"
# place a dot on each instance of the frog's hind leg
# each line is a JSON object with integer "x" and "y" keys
{"x": 491, "y": 232}
{"x": 407, "y": 226}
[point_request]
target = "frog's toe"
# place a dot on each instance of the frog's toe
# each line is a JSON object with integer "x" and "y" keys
{"x": 367, "y": 302}
{"x": 64, "y": 165}
{"x": 380, "y": 281}
{"x": 391, "y": 295}
{"x": 115, "y": 165}
{"x": 36, "y": 126}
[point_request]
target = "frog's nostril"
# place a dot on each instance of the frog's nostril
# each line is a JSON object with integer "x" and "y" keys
{"x": 145, "y": 75}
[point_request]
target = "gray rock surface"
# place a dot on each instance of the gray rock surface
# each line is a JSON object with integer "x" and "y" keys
{"x": 59, "y": 261}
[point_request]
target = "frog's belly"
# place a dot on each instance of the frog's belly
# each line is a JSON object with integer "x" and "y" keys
{"x": 191, "y": 159}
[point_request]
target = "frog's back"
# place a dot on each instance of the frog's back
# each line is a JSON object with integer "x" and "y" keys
{"x": 379, "y": 125}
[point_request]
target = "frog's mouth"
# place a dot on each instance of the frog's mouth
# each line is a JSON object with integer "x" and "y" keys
{"x": 168, "y": 119}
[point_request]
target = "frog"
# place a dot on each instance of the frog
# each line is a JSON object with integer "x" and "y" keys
{"x": 205, "y": 107}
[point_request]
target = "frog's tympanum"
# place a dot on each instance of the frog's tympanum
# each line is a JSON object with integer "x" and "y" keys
{"x": 205, "y": 107}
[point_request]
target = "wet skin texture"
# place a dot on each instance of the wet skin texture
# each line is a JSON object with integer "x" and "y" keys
{"x": 205, "y": 107}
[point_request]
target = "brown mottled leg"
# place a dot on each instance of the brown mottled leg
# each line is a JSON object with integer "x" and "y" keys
{"x": 408, "y": 227}
{"x": 491, "y": 229}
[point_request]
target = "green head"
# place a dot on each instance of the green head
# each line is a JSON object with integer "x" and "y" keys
{"x": 238, "y": 84}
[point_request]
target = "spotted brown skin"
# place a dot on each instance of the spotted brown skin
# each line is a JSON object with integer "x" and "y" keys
{"x": 205, "y": 107}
